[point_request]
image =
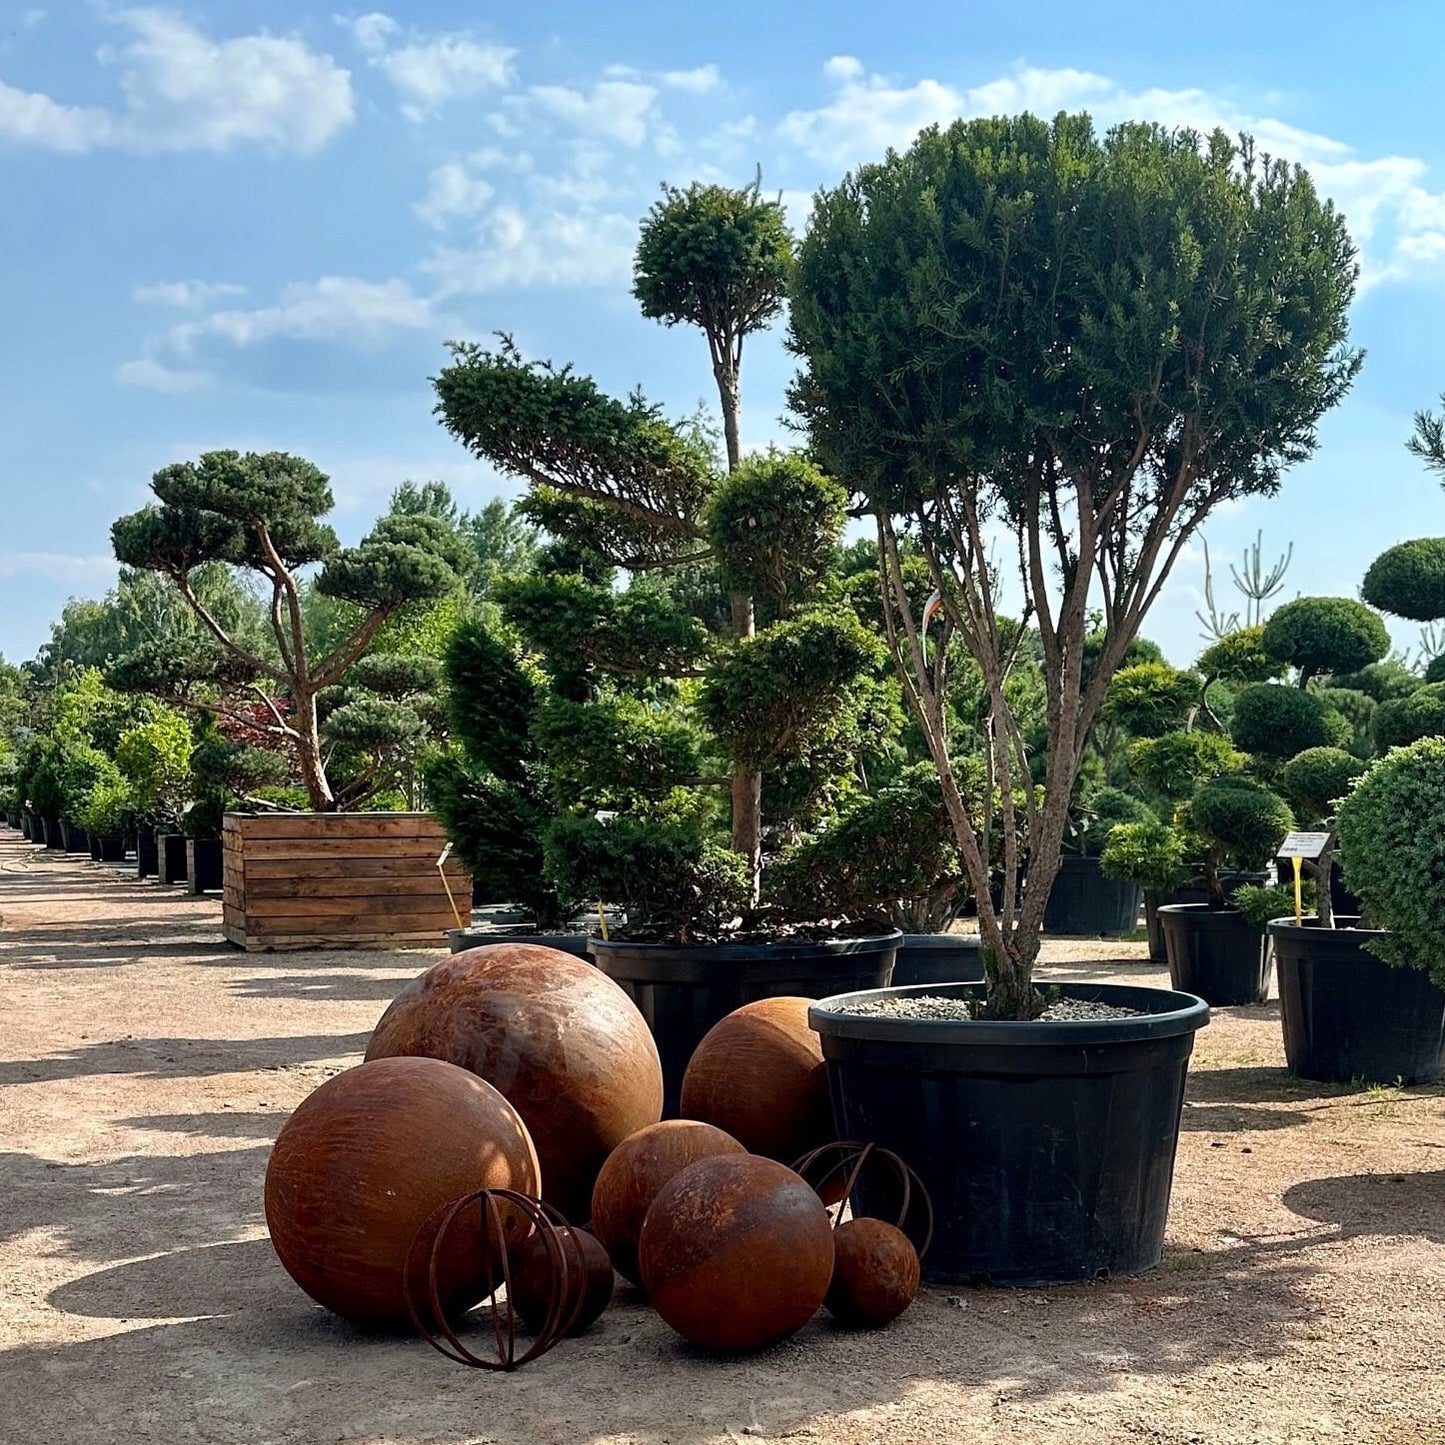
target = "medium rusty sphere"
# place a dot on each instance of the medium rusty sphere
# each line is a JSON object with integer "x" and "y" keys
{"x": 634, "y": 1174}
{"x": 366, "y": 1159}
{"x": 736, "y": 1251}
{"x": 759, "y": 1075}
{"x": 563, "y": 1042}
{"x": 875, "y": 1274}
{"x": 589, "y": 1276}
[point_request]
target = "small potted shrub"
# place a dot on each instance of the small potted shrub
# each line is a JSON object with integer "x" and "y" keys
{"x": 1084, "y": 900}
{"x": 1363, "y": 999}
{"x": 1214, "y": 950}
{"x": 1149, "y": 855}
{"x": 154, "y": 759}
{"x": 105, "y": 816}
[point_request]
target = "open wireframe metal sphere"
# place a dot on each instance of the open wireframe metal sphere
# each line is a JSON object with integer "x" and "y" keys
{"x": 556, "y": 1036}
{"x": 367, "y": 1158}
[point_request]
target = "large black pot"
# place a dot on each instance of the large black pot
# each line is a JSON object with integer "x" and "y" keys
{"x": 1047, "y": 1148}
{"x": 1192, "y": 893}
{"x": 204, "y": 862}
{"x": 1349, "y": 1015}
{"x": 54, "y": 835}
{"x": 462, "y": 939}
{"x": 170, "y": 857}
{"x": 92, "y": 843}
{"x": 112, "y": 850}
{"x": 73, "y": 837}
{"x": 683, "y": 991}
{"x": 938, "y": 958}
{"x": 1215, "y": 953}
{"x": 1084, "y": 902}
{"x": 147, "y": 862}
{"x": 28, "y": 824}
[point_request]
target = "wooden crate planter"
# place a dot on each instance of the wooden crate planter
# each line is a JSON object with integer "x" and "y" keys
{"x": 338, "y": 880}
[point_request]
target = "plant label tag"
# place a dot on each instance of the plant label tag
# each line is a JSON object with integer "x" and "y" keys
{"x": 1305, "y": 845}
{"x": 446, "y": 853}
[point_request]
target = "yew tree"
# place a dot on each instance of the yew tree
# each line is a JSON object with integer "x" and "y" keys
{"x": 262, "y": 515}
{"x": 1044, "y": 356}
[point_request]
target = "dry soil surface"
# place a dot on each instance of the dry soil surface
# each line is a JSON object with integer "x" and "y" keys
{"x": 145, "y": 1068}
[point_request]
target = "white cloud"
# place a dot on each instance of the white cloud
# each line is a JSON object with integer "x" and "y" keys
{"x": 182, "y": 90}
{"x": 331, "y": 308}
{"x": 183, "y": 294}
{"x": 152, "y": 375}
{"x": 452, "y": 194}
{"x": 555, "y": 249}
{"x": 702, "y": 80}
{"x": 428, "y": 71}
{"x": 619, "y": 110}
{"x": 58, "y": 566}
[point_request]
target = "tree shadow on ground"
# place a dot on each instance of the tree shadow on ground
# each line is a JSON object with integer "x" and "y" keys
{"x": 165, "y": 1058}
{"x": 323, "y": 987}
{"x": 1383, "y": 1204}
{"x": 225, "y": 1124}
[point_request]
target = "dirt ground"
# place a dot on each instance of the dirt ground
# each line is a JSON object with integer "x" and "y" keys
{"x": 145, "y": 1068}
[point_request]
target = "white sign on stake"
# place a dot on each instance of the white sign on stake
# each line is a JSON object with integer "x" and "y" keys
{"x": 1305, "y": 845}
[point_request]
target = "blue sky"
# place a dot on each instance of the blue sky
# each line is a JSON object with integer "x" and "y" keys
{"x": 254, "y": 226}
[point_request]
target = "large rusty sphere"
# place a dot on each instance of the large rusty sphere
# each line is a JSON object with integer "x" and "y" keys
{"x": 759, "y": 1074}
{"x": 363, "y": 1163}
{"x": 563, "y": 1042}
{"x": 736, "y": 1251}
{"x": 875, "y": 1273}
{"x": 589, "y": 1279}
{"x": 635, "y": 1173}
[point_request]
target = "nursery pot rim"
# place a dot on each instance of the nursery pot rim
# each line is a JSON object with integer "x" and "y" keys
{"x": 929, "y": 942}
{"x": 1185, "y": 1013}
{"x": 747, "y": 952}
{"x": 1286, "y": 927}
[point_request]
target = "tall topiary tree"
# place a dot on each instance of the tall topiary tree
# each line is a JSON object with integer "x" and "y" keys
{"x": 1091, "y": 342}
{"x": 262, "y": 513}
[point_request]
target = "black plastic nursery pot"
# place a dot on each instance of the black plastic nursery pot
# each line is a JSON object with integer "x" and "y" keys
{"x": 461, "y": 939}
{"x": 682, "y": 991}
{"x": 1047, "y": 1148}
{"x": 1215, "y": 953}
{"x": 52, "y": 835}
{"x": 1084, "y": 902}
{"x": 147, "y": 862}
{"x": 204, "y": 865}
{"x": 170, "y": 857}
{"x": 92, "y": 843}
{"x": 28, "y": 824}
{"x": 112, "y": 850}
{"x": 938, "y": 958}
{"x": 1348, "y": 1015}
{"x": 74, "y": 838}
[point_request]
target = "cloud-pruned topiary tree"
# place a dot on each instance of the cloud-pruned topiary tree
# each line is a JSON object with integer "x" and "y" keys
{"x": 1329, "y": 635}
{"x": 261, "y": 513}
{"x": 1091, "y": 342}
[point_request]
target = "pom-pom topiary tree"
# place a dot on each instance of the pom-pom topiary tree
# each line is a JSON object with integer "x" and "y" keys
{"x": 262, "y": 513}
{"x": 992, "y": 329}
{"x": 1329, "y": 635}
{"x": 1241, "y": 822}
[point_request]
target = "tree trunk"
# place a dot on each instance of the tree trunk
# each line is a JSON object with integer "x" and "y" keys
{"x": 727, "y": 389}
{"x": 308, "y": 755}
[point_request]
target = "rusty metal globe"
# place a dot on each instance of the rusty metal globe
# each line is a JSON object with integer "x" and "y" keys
{"x": 736, "y": 1251}
{"x": 367, "y": 1159}
{"x": 759, "y": 1075}
{"x": 556, "y": 1036}
{"x": 590, "y": 1280}
{"x": 875, "y": 1273}
{"x": 634, "y": 1174}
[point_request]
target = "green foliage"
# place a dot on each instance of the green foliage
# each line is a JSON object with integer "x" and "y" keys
{"x": 615, "y": 752}
{"x": 402, "y": 559}
{"x": 713, "y": 257}
{"x": 235, "y": 768}
{"x": 1150, "y": 699}
{"x": 1149, "y": 853}
{"x": 1392, "y": 841}
{"x": 667, "y": 874}
{"x": 1275, "y": 721}
{"x": 396, "y": 677}
{"x": 1382, "y": 681}
{"x": 773, "y": 690}
{"x": 1408, "y": 580}
{"x": 492, "y": 697}
{"x": 773, "y": 525}
{"x": 1408, "y": 719}
{"x": 1358, "y": 710}
{"x": 1109, "y": 808}
{"x": 1260, "y": 903}
{"x": 106, "y": 812}
{"x": 1239, "y": 658}
{"x": 1170, "y": 767}
{"x": 1317, "y": 778}
{"x": 1325, "y": 635}
{"x": 1244, "y": 821}
{"x": 156, "y": 762}
{"x": 1435, "y": 668}
{"x": 83, "y": 769}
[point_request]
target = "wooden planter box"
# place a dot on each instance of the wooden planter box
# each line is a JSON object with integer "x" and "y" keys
{"x": 338, "y": 880}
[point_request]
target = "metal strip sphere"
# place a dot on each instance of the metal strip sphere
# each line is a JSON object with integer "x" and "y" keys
{"x": 850, "y": 1159}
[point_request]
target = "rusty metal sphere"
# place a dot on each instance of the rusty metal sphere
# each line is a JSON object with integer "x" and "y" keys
{"x": 759, "y": 1075}
{"x": 634, "y": 1174}
{"x": 589, "y": 1285}
{"x": 875, "y": 1273}
{"x": 736, "y": 1251}
{"x": 367, "y": 1158}
{"x": 563, "y": 1042}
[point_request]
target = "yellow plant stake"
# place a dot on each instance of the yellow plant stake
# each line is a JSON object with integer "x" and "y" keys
{"x": 1298, "y": 893}
{"x": 441, "y": 868}
{"x": 602, "y": 920}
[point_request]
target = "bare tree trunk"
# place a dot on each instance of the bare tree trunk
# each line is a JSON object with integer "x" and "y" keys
{"x": 308, "y": 755}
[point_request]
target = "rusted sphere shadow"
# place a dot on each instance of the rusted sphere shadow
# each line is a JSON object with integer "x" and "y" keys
{"x": 736, "y": 1252}
{"x": 563, "y": 1042}
{"x": 875, "y": 1273}
{"x": 634, "y": 1174}
{"x": 759, "y": 1075}
{"x": 367, "y": 1158}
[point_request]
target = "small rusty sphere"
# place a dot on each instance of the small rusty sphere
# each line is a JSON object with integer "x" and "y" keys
{"x": 363, "y": 1163}
{"x": 875, "y": 1274}
{"x": 634, "y": 1174}
{"x": 560, "y": 1040}
{"x": 759, "y": 1075}
{"x": 589, "y": 1277}
{"x": 736, "y": 1252}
